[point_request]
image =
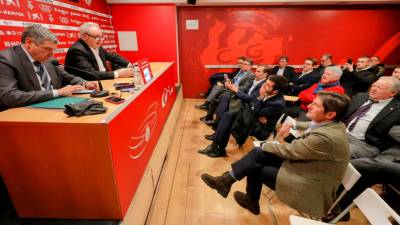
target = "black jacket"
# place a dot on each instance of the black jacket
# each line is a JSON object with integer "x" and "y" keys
{"x": 288, "y": 73}
{"x": 377, "y": 131}
{"x": 80, "y": 56}
{"x": 302, "y": 83}
{"x": 357, "y": 81}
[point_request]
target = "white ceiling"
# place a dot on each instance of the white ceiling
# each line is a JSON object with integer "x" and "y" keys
{"x": 257, "y": 2}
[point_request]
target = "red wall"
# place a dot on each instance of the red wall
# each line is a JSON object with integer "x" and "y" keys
{"x": 265, "y": 33}
{"x": 63, "y": 17}
{"x": 155, "y": 27}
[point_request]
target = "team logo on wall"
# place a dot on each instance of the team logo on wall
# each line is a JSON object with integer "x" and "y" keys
{"x": 259, "y": 38}
{"x": 45, "y": 8}
{"x": 10, "y": 2}
{"x": 88, "y": 2}
{"x": 30, "y": 5}
{"x": 138, "y": 143}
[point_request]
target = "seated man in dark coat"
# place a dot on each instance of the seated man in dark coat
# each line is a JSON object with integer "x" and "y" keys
{"x": 376, "y": 66}
{"x": 88, "y": 55}
{"x": 26, "y": 75}
{"x": 305, "y": 173}
{"x": 326, "y": 60}
{"x": 396, "y": 73}
{"x": 358, "y": 79}
{"x": 282, "y": 69}
{"x": 265, "y": 110}
{"x": 305, "y": 79}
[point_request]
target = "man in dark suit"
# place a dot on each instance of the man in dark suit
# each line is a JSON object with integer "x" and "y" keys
{"x": 326, "y": 61}
{"x": 377, "y": 66}
{"x": 306, "y": 79}
{"x": 396, "y": 73}
{"x": 282, "y": 69}
{"x": 359, "y": 79}
{"x": 370, "y": 117}
{"x": 266, "y": 109}
{"x": 88, "y": 55}
{"x": 306, "y": 172}
{"x": 27, "y": 77}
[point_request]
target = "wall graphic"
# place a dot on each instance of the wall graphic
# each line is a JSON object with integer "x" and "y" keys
{"x": 63, "y": 17}
{"x": 264, "y": 33}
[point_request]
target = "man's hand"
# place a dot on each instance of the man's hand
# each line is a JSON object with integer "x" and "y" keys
{"x": 69, "y": 89}
{"x": 284, "y": 132}
{"x": 263, "y": 119}
{"x": 92, "y": 85}
{"x": 233, "y": 88}
{"x": 349, "y": 67}
{"x": 127, "y": 72}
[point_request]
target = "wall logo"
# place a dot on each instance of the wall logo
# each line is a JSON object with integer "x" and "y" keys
{"x": 10, "y": 2}
{"x": 35, "y": 16}
{"x": 64, "y": 20}
{"x": 30, "y": 5}
{"x": 46, "y": 8}
{"x": 138, "y": 144}
{"x": 166, "y": 92}
{"x": 88, "y": 2}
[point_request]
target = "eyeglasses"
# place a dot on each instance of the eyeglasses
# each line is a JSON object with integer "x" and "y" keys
{"x": 99, "y": 38}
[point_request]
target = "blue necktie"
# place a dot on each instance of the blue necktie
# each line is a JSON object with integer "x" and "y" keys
{"x": 43, "y": 75}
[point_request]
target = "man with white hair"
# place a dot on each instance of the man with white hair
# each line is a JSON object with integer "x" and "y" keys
{"x": 329, "y": 82}
{"x": 88, "y": 55}
{"x": 371, "y": 115}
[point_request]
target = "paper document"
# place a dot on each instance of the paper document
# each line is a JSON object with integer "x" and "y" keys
{"x": 258, "y": 143}
{"x": 292, "y": 121}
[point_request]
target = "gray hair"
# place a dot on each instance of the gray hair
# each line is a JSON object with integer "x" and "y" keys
{"x": 395, "y": 83}
{"x": 86, "y": 27}
{"x": 38, "y": 33}
{"x": 335, "y": 69}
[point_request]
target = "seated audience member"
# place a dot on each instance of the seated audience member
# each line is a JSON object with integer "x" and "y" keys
{"x": 220, "y": 77}
{"x": 358, "y": 79}
{"x": 370, "y": 117}
{"x": 236, "y": 101}
{"x": 88, "y": 55}
{"x": 216, "y": 81}
{"x": 265, "y": 111}
{"x": 243, "y": 80}
{"x": 384, "y": 168}
{"x": 26, "y": 75}
{"x": 326, "y": 60}
{"x": 396, "y": 72}
{"x": 282, "y": 69}
{"x": 376, "y": 66}
{"x": 305, "y": 79}
{"x": 304, "y": 173}
{"x": 329, "y": 82}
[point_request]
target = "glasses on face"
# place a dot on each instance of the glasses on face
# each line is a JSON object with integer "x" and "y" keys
{"x": 98, "y": 38}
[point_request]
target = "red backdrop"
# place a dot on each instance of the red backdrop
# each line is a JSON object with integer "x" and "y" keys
{"x": 63, "y": 17}
{"x": 155, "y": 27}
{"x": 265, "y": 33}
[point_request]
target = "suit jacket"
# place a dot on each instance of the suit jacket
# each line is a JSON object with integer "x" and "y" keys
{"x": 312, "y": 169}
{"x": 378, "y": 129}
{"x": 80, "y": 56}
{"x": 241, "y": 97}
{"x": 288, "y": 73}
{"x": 19, "y": 84}
{"x": 357, "y": 81}
{"x": 301, "y": 83}
{"x": 247, "y": 121}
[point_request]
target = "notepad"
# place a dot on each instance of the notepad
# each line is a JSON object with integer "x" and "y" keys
{"x": 58, "y": 103}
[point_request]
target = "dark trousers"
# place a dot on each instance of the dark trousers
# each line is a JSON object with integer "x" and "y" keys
{"x": 224, "y": 129}
{"x": 213, "y": 79}
{"x": 223, "y": 105}
{"x": 260, "y": 167}
{"x": 373, "y": 171}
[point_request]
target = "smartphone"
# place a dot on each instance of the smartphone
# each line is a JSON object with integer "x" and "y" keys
{"x": 349, "y": 61}
{"x": 115, "y": 100}
{"x": 125, "y": 86}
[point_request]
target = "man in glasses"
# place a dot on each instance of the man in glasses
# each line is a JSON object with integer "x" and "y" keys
{"x": 27, "y": 76}
{"x": 88, "y": 55}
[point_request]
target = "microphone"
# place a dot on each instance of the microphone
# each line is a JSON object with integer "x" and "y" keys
{"x": 87, "y": 76}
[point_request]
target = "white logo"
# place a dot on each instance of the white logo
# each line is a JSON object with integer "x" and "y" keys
{"x": 164, "y": 98}
{"x": 30, "y": 6}
{"x": 45, "y": 8}
{"x": 2, "y": 33}
{"x": 64, "y": 20}
{"x": 51, "y": 19}
{"x": 10, "y": 2}
{"x": 88, "y": 2}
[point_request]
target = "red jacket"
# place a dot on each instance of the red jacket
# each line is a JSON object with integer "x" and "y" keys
{"x": 307, "y": 96}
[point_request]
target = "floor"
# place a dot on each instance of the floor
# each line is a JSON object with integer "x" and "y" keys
{"x": 186, "y": 200}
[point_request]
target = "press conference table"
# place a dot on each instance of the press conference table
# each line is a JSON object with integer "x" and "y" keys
{"x": 89, "y": 167}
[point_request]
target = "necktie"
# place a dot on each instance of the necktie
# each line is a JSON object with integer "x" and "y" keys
{"x": 358, "y": 114}
{"x": 43, "y": 75}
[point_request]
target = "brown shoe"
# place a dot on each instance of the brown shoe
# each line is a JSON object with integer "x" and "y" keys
{"x": 221, "y": 183}
{"x": 244, "y": 200}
